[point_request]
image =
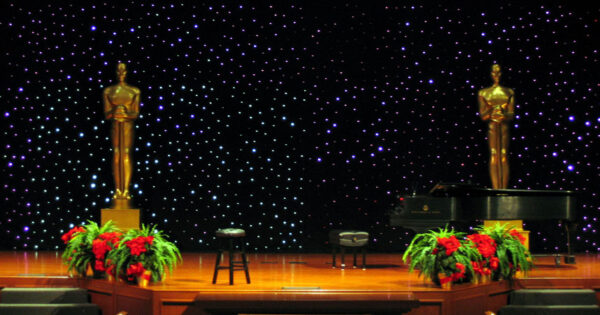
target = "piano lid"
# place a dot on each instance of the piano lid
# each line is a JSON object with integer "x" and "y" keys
{"x": 464, "y": 189}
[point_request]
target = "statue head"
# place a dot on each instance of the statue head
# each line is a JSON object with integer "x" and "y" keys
{"x": 496, "y": 73}
{"x": 121, "y": 72}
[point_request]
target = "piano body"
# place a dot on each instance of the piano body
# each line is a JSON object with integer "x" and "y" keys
{"x": 452, "y": 202}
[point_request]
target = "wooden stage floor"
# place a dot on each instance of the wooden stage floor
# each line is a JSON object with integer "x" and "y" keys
{"x": 294, "y": 277}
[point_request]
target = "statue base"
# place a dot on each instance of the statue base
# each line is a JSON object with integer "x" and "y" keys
{"x": 121, "y": 203}
{"x": 125, "y": 219}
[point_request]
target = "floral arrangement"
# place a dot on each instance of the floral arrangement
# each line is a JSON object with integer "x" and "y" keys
{"x": 144, "y": 254}
{"x": 442, "y": 256}
{"x": 446, "y": 256}
{"x": 83, "y": 247}
{"x": 510, "y": 253}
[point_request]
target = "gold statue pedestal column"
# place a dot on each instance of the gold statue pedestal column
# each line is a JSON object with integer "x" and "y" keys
{"x": 122, "y": 107}
{"x": 125, "y": 219}
{"x": 122, "y": 215}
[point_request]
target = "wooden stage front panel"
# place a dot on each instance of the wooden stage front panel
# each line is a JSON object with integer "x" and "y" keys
{"x": 293, "y": 283}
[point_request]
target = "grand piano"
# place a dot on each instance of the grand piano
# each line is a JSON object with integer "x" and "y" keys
{"x": 458, "y": 202}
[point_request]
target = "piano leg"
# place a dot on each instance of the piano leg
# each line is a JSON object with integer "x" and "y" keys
{"x": 570, "y": 228}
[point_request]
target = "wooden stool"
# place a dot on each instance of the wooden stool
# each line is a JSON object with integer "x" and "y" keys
{"x": 340, "y": 239}
{"x": 231, "y": 235}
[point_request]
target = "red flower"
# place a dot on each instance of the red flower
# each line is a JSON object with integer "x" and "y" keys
{"x": 137, "y": 246}
{"x": 445, "y": 280}
{"x": 484, "y": 243}
{"x": 69, "y": 235}
{"x": 146, "y": 276}
{"x": 477, "y": 267}
{"x": 112, "y": 237}
{"x": 99, "y": 266}
{"x": 135, "y": 270}
{"x": 457, "y": 276}
{"x": 517, "y": 235}
{"x": 450, "y": 243}
{"x": 434, "y": 251}
{"x": 460, "y": 273}
{"x": 111, "y": 267}
{"x": 100, "y": 248}
{"x": 494, "y": 262}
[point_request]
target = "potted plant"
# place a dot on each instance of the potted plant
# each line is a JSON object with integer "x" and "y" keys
{"x": 442, "y": 256}
{"x": 510, "y": 255}
{"x": 80, "y": 254}
{"x": 143, "y": 255}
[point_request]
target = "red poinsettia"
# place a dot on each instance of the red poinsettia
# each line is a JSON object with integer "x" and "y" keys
{"x": 137, "y": 270}
{"x": 104, "y": 243}
{"x": 480, "y": 268}
{"x": 514, "y": 233}
{"x": 110, "y": 269}
{"x": 484, "y": 243}
{"x": 69, "y": 235}
{"x": 113, "y": 237}
{"x": 137, "y": 246}
{"x": 494, "y": 263}
{"x": 451, "y": 244}
{"x": 456, "y": 275}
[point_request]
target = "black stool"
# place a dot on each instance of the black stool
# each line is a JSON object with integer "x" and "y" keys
{"x": 231, "y": 234}
{"x": 341, "y": 239}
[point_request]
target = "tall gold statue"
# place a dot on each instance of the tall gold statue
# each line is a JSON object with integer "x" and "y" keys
{"x": 122, "y": 106}
{"x": 497, "y": 107}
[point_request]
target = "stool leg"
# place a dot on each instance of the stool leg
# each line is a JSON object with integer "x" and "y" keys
{"x": 217, "y": 263}
{"x": 231, "y": 261}
{"x": 333, "y": 247}
{"x": 244, "y": 261}
{"x": 354, "y": 257}
{"x": 343, "y": 252}
{"x": 364, "y": 254}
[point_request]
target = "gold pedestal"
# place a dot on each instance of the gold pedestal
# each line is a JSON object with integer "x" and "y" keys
{"x": 515, "y": 224}
{"x": 125, "y": 219}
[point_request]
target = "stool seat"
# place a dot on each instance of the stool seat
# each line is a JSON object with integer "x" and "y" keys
{"x": 230, "y": 232}
{"x": 349, "y": 238}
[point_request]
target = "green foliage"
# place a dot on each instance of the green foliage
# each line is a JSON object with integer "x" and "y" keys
{"x": 78, "y": 253}
{"x": 159, "y": 255}
{"x": 511, "y": 253}
{"x": 428, "y": 256}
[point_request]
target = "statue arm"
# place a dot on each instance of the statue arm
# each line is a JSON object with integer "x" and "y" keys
{"x": 108, "y": 108}
{"x": 510, "y": 109}
{"x": 485, "y": 111}
{"x": 135, "y": 105}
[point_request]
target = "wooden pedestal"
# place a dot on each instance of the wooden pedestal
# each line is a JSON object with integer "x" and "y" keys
{"x": 125, "y": 219}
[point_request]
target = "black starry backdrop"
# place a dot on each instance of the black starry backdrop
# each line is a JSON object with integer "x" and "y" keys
{"x": 289, "y": 119}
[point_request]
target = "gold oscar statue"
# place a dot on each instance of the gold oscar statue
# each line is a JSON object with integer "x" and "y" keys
{"x": 497, "y": 108}
{"x": 122, "y": 107}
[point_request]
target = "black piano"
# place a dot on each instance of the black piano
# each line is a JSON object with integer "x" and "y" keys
{"x": 458, "y": 202}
